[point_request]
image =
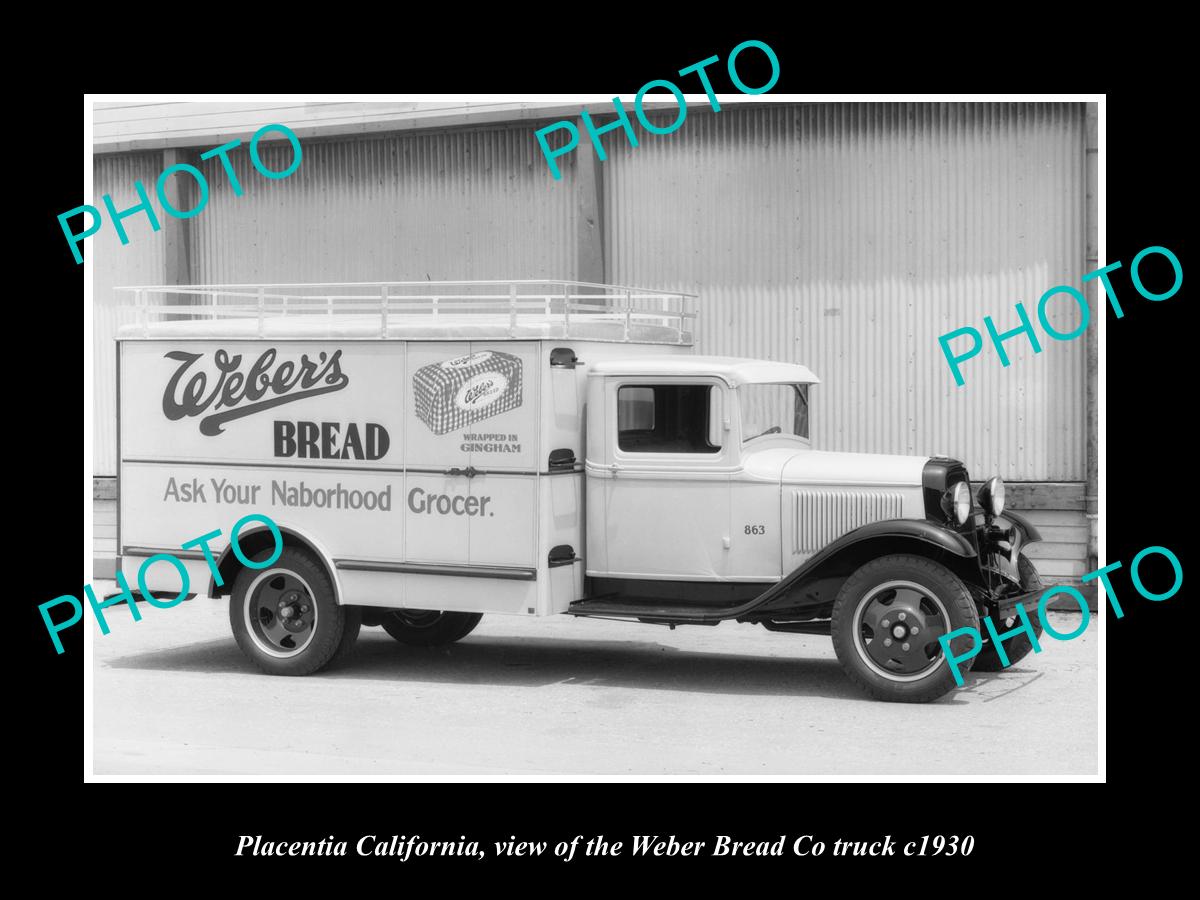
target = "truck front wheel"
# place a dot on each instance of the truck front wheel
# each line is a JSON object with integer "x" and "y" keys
{"x": 887, "y": 619}
{"x": 428, "y": 627}
{"x": 285, "y": 617}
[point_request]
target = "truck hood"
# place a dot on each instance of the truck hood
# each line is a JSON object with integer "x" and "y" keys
{"x": 824, "y": 467}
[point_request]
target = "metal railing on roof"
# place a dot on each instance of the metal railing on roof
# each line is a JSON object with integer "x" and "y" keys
{"x": 670, "y": 315}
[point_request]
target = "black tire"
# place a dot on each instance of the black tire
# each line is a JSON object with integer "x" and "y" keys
{"x": 310, "y": 634}
{"x": 1018, "y": 647}
{"x": 895, "y": 593}
{"x": 427, "y": 627}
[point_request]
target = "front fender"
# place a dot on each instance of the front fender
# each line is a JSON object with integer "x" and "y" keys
{"x": 921, "y": 529}
{"x": 813, "y": 582}
{"x": 1028, "y": 533}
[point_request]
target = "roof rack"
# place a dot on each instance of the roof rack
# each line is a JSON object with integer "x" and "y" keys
{"x": 397, "y": 309}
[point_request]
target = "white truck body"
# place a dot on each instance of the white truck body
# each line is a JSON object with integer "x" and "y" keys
{"x": 434, "y": 452}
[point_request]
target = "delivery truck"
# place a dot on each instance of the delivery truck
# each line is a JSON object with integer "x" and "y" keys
{"x": 434, "y": 452}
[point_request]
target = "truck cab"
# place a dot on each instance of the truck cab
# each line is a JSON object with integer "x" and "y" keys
{"x": 707, "y": 502}
{"x": 683, "y": 466}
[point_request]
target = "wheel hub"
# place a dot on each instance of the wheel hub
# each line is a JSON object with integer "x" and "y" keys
{"x": 281, "y": 613}
{"x": 898, "y": 624}
{"x": 291, "y": 611}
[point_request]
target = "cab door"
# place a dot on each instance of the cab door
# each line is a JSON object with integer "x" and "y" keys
{"x": 664, "y": 481}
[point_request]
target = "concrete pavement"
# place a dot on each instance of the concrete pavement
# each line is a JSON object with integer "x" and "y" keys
{"x": 174, "y": 698}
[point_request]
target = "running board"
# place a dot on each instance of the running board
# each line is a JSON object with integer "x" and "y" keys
{"x": 647, "y": 609}
{"x": 655, "y": 612}
{"x": 813, "y": 626}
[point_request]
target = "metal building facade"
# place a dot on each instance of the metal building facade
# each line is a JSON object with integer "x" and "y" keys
{"x": 138, "y": 262}
{"x": 442, "y": 206}
{"x": 848, "y": 237}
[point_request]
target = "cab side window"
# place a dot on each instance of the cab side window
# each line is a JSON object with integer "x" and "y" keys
{"x": 666, "y": 418}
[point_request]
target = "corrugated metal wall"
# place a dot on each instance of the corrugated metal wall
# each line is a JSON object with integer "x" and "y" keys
{"x": 138, "y": 262}
{"x": 443, "y": 206}
{"x": 849, "y": 236}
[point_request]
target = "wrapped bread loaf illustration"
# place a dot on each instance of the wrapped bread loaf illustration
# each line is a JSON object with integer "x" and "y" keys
{"x": 467, "y": 389}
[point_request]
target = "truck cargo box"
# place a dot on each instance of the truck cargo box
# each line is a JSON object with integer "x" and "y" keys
{"x": 428, "y": 446}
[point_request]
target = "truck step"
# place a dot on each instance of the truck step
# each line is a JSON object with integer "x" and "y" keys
{"x": 651, "y": 609}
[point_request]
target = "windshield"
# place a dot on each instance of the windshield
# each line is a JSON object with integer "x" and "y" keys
{"x": 773, "y": 409}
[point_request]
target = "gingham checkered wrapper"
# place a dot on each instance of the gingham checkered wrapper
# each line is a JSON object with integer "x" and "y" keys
{"x": 467, "y": 389}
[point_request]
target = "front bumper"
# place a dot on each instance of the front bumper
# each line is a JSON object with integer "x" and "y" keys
{"x": 1003, "y": 608}
{"x": 1000, "y": 543}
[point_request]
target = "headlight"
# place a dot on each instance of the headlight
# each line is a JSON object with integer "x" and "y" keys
{"x": 992, "y": 495}
{"x": 956, "y": 503}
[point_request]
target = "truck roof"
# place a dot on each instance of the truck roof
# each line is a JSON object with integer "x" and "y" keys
{"x": 596, "y": 327}
{"x": 732, "y": 369}
{"x": 423, "y": 310}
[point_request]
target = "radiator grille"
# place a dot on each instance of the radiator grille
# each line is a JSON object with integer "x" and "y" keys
{"x": 820, "y": 516}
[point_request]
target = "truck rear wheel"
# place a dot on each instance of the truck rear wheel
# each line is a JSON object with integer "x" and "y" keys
{"x": 428, "y": 627}
{"x": 887, "y": 619}
{"x": 285, "y": 617}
